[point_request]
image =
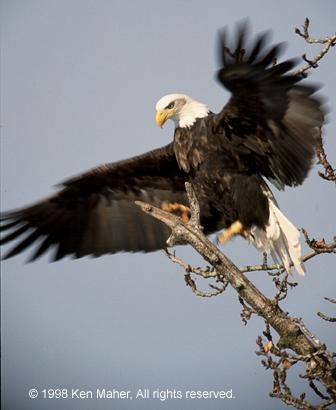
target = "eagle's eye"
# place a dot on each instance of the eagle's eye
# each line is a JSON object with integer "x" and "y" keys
{"x": 170, "y": 105}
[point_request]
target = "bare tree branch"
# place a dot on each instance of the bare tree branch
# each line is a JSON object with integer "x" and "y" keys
{"x": 205, "y": 273}
{"x": 331, "y": 248}
{"x": 293, "y": 334}
{"x": 191, "y": 283}
{"x": 280, "y": 362}
{"x": 325, "y": 317}
{"x": 319, "y": 247}
{"x": 328, "y": 42}
{"x": 329, "y": 172}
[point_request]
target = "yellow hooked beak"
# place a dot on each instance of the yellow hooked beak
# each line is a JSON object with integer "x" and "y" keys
{"x": 161, "y": 117}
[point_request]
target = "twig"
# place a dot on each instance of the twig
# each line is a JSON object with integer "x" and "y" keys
{"x": 280, "y": 368}
{"x": 319, "y": 246}
{"x": 328, "y": 42}
{"x": 191, "y": 283}
{"x": 317, "y": 391}
{"x": 325, "y": 317}
{"x": 247, "y": 311}
{"x": 330, "y": 248}
{"x": 329, "y": 172}
{"x": 205, "y": 273}
{"x": 283, "y": 286}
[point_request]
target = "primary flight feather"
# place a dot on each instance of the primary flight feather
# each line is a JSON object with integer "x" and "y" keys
{"x": 268, "y": 129}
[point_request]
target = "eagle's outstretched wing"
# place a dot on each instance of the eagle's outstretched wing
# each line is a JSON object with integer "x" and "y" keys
{"x": 95, "y": 214}
{"x": 271, "y": 122}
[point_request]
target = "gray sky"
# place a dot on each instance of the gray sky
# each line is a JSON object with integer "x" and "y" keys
{"x": 79, "y": 83}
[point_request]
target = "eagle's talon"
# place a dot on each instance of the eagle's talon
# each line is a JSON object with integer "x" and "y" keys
{"x": 177, "y": 209}
{"x": 236, "y": 228}
{"x": 222, "y": 238}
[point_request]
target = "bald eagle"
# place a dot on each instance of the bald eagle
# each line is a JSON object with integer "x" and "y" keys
{"x": 267, "y": 130}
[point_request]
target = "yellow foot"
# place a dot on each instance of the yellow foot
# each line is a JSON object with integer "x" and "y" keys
{"x": 177, "y": 209}
{"x": 234, "y": 229}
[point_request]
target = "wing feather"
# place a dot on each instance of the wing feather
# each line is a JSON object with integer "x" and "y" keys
{"x": 271, "y": 122}
{"x": 94, "y": 213}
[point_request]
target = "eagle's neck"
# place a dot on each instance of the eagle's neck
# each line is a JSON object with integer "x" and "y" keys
{"x": 190, "y": 112}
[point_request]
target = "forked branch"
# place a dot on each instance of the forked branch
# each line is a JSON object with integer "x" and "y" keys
{"x": 327, "y": 43}
{"x": 292, "y": 333}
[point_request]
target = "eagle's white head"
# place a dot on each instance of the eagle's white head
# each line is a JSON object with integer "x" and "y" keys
{"x": 180, "y": 108}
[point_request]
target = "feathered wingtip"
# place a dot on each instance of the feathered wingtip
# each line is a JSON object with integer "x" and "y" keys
{"x": 230, "y": 52}
{"x": 235, "y": 49}
{"x": 236, "y": 52}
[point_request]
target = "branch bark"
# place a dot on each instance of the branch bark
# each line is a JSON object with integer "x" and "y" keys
{"x": 327, "y": 43}
{"x": 292, "y": 333}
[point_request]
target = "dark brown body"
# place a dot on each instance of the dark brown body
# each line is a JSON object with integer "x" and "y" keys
{"x": 224, "y": 185}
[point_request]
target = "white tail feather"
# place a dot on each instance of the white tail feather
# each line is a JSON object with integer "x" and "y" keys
{"x": 280, "y": 238}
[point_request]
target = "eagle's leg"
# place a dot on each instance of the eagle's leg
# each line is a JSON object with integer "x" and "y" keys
{"x": 177, "y": 209}
{"x": 236, "y": 228}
